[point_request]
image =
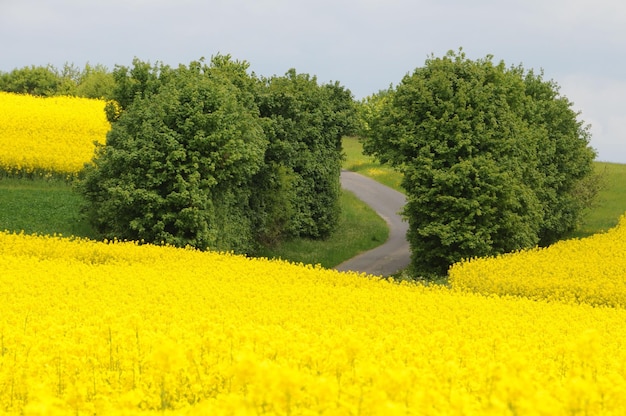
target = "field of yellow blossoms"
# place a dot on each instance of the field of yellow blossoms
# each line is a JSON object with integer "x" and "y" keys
{"x": 590, "y": 270}
{"x": 117, "y": 328}
{"x": 41, "y": 136}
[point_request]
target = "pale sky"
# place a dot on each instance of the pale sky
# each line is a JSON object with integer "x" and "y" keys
{"x": 366, "y": 45}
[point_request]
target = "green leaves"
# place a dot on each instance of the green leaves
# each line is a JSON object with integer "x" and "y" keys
{"x": 212, "y": 157}
{"x": 489, "y": 156}
{"x": 177, "y": 145}
{"x": 306, "y": 122}
{"x": 91, "y": 82}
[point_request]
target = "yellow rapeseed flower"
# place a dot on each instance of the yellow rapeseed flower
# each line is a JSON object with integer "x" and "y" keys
{"x": 121, "y": 328}
{"x": 53, "y": 135}
{"x": 114, "y": 328}
{"x": 590, "y": 270}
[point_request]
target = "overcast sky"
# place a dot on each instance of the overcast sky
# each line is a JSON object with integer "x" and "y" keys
{"x": 366, "y": 45}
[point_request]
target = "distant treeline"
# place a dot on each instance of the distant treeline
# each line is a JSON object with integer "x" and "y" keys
{"x": 92, "y": 81}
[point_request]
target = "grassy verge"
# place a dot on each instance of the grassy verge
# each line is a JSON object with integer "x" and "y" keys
{"x": 610, "y": 203}
{"x": 52, "y": 207}
{"x": 41, "y": 206}
{"x": 360, "y": 229}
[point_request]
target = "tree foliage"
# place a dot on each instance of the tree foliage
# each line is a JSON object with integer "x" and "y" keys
{"x": 34, "y": 80}
{"x": 90, "y": 82}
{"x": 213, "y": 157}
{"x": 306, "y": 122}
{"x": 491, "y": 157}
{"x": 564, "y": 157}
{"x": 140, "y": 80}
{"x": 176, "y": 165}
{"x": 95, "y": 82}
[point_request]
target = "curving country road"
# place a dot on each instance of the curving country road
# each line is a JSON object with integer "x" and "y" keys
{"x": 394, "y": 254}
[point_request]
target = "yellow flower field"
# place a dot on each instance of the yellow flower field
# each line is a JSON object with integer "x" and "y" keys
{"x": 591, "y": 270}
{"x": 118, "y": 328}
{"x": 49, "y": 135}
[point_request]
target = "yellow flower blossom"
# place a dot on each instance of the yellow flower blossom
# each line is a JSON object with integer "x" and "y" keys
{"x": 53, "y": 135}
{"x": 119, "y": 328}
{"x": 590, "y": 270}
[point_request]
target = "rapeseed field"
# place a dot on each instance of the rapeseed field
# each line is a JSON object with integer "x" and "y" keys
{"x": 53, "y": 135}
{"x": 119, "y": 328}
{"x": 590, "y": 270}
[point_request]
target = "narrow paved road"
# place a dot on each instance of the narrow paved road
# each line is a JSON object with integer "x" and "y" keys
{"x": 394, "y": 254}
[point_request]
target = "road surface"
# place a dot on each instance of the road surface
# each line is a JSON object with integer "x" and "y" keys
{"x": 394, "y": 255}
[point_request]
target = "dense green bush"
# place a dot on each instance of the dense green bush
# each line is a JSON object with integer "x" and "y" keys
{"x": 95, "y": 82}
{"x": 34, "y": 80}
{"x": 491, "y": 158}
{"x": 177, "y": 164}
{"x": 214, "y": 157}
{"x": 306, "y": 122}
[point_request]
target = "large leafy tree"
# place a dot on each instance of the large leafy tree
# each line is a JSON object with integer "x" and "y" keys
{"x": 214, "y": 157}
{"x": 490, "y": 157}
{"x": 177, "y": 163}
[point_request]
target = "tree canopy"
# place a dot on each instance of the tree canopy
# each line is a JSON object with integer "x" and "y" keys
{"x": 90, "y": 82}
{"x": 491, "y": 158}
{"x": 212, "y": 156}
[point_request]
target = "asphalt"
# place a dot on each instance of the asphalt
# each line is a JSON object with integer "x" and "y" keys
{"x": 393, "y": 255}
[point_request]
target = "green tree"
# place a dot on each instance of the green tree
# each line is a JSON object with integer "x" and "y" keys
{"x": 367, "y": 108}
{"x": 305, "y": 122}
{"x": 95, "y": 82}
{"x": 212, "y": 156}
{"x": 139, "y": 81}
{"x": 477, "y": 145}
{"x": 177, "y": 163}
{"x": 564, "y": 157}
{"x": 35, "y": 80}
{"x": 91, "y": 82}
{"x": 69, "y": 77}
